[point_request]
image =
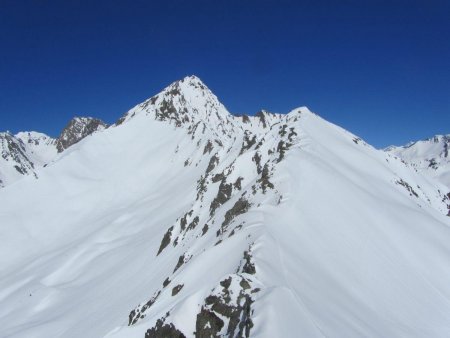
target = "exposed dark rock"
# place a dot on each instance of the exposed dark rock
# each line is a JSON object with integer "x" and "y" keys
{"x": 76, "y": 130}
{"x": 201, "y": 187}
{"x": 433, "y": 164}
{"x": 248, "y": 267}
{"x": 218, "y": 177}
{"x": 257, "y": 159}
{"x": 281, "y": 149}
{"x": 244, "y": 284}
{"x": 235, "y": 229}
{"x": 177, "y": 289}
{"x": 208, "y": 324}
{"x": 223, "y": 195}
{"x": 174, "y": 91}
{"x": 240, "y": 207}
{"x": 193, "y": 224}
{"x": 238, "y": 315}
{"x": 407, "y": 187}
{"x": 205, "y": 229}
{"x": 237, "y": 185}
{"x": 262, "y": 118}
{"x": 138, "y": 313}
{"x": 291, "y": 135}
{"x": 121, "y": 120}
{"x": 208, "y": 148}
{"x": 183, "y": 220}
{"x": 248, "y": 142}
{"x": 20, "y": 170}
{"x": 226, "y": 283}
{"x": 166, "y": 282}
{"x": 167, "y": 111}
{"x": 161, "y": 330}
{"x": 180, "y": 262}
{"x": 212, "y": 163}
{"x": 283, "y": 131}
{"x": 166, "y": 240}
{"x": 264, "y": 180}
{"x": 153, "y": 99}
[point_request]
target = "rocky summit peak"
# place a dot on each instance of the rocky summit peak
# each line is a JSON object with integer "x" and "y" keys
{"x": 186, "y": 102}
{"x": 190, "y": 88}
{"x": 77, "y": 129}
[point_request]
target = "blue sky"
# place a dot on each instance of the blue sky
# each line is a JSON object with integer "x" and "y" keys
{"x": 380, "y": 69}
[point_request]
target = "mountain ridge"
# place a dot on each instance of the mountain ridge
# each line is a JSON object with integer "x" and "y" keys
{"x": 261, "y": 226}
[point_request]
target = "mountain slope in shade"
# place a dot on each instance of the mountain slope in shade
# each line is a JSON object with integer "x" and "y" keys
{"x": 183, "y": 220}
{"x": 430, "y": 156}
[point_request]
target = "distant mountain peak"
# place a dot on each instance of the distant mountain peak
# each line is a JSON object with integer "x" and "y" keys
{"x": 430, "y": 156}
{"x": 77, "y": 129}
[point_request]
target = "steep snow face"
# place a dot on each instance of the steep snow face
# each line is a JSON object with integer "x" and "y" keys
{"x": 430, "y": 156}
{"x": 182, "y": 220}
{"x": 77, "y": 129}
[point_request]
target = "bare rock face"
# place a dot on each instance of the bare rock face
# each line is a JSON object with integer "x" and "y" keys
{"x": 13, "y": 152}
{"x": 76, "y": 130}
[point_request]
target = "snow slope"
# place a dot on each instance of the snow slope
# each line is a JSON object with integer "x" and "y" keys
{"x": 183, "y": 220}
{"x": 430, "y": 156}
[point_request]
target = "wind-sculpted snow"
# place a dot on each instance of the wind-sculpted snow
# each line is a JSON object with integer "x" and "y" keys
{"x": 182, "y": 220}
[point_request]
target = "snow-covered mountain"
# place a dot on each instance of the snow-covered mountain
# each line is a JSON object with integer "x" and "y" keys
{"x": 182, "y": 220}
{"x": 430, "y": 156}
{"x": 25, "y": 152}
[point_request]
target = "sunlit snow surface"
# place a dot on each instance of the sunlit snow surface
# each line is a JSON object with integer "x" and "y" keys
{"x": 319, "y": 233}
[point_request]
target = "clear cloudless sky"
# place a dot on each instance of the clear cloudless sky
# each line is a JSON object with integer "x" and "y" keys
{"x": 380, "y": 69}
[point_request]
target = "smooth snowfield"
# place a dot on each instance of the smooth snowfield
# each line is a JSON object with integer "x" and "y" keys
{"x": 340, "y": 247}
